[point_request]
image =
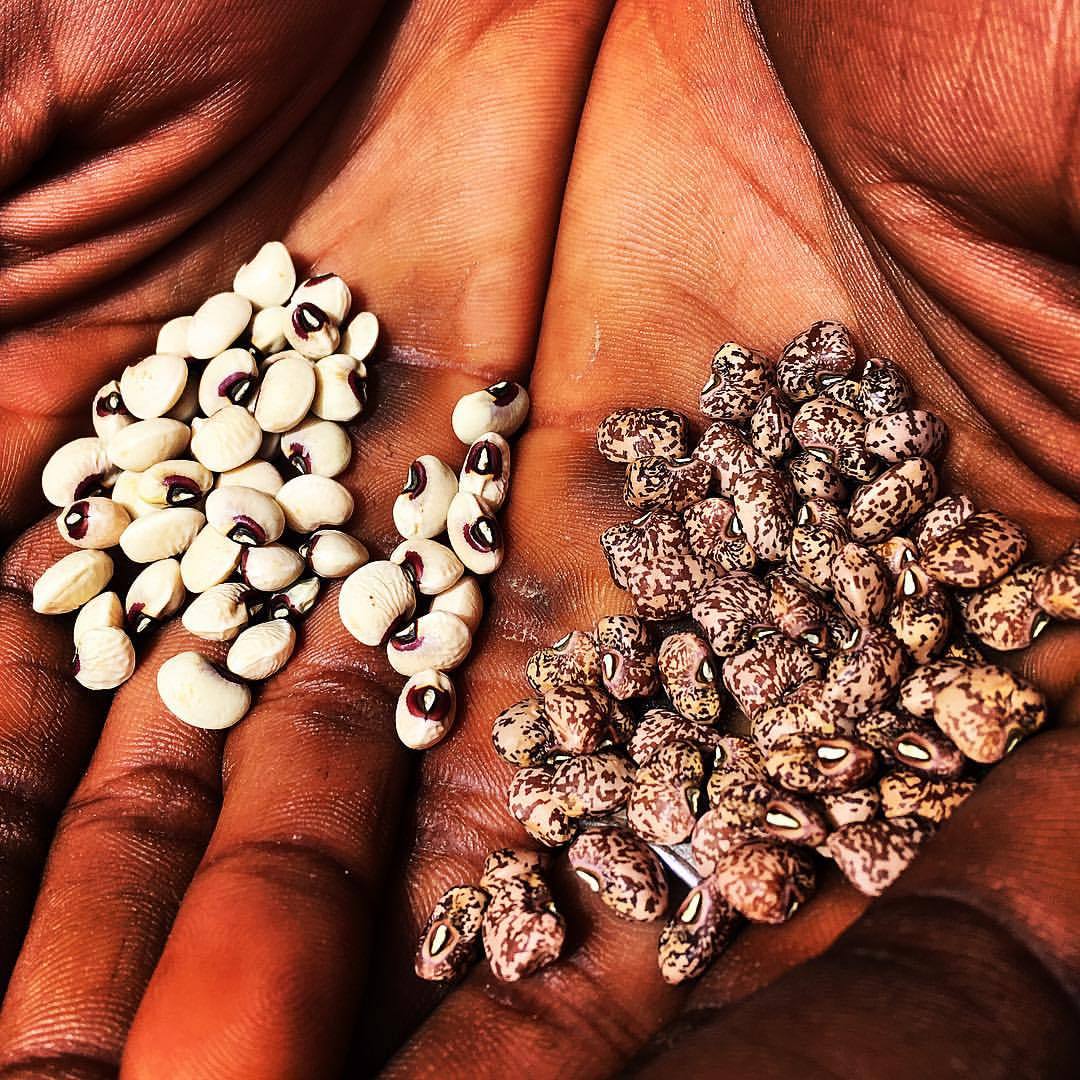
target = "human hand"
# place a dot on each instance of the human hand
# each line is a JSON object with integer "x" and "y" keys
{"x": 687, "y": 161}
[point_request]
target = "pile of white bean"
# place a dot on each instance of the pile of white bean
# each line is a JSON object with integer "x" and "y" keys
{"x": 184, "y": 475}
{"x": 425, "y": 601}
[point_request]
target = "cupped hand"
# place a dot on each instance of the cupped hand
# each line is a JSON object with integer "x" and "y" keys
{"x": 247, "y": 904}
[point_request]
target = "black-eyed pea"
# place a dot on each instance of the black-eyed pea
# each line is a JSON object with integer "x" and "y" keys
{"x": 360, "y": 336}
{"x": 258, "y": 474}
{"x": 891, "y": 500}
{"x": 822, "y": 351}
{"x": 332, "y": 554}
{"x": 521, "y": 733}
{"x": 375, "y": 600}
{"x": 219, "y": 613}
{"x": 432, "y": 567}
{"x": 286, "y": 393}
{"x": 267, "y": 330}
{"x": 770, "y": 426}
{"x": 911, "y": 794}
{"x": 426, "y": 708}
{"x": 310, "y": 330}
{"x": 632, "y": 544}
{"x": 228, "y": 439}
{"x": 178, "y": 482}
{"x": 340, "y": 388}
{"x": 666, "y": 797}
{"x": 688, "y": 671}
{"x": 657, "y": 483}
{"x": 329, "y": 292}
{"x": 848, "y": 807}
{"x": 872, "y": 854}
{"x": 245, "y": 515}
{"x": 579, "y": 717}
{"x": 173, "y": 336}
{"x": 501, "y": 408}
{"x": 522, "y": 929}
{"x": 728, "y": 453}
{"x": 910, "y": 742}
{"x": 448, "y": 943}
{"x": 596, "y": 783}
{"x": 156, "y": 593}
{"x": 474, "y": 534}
{"x": 140, "y": 445}
{"x": 316, "y": 446}
{"x": 231, "y": 378}
{"x": 436, "y": 640}
{"x": 738, "y": 378}
{"x": 1005, "y": 616}
{"x": 94, "y": 522}
{"x": 814, "y": 766}
{"x": 261, "y": 650}
{"x": 906, "y": 434}
{"x": 764, "y": 674}
{"x": 77, "y": 470}
{"x": 486, "y": 470}
{"x": 987, "y": 710}
{"x": 313, "y": 502}
{"x": 268, "y": 278}
{"x": 981, "y": 549}
{"x": 861, "y": 584}
{"x": 154, "y": 385}
{"x": 108, "y": 412}
{"x": 542, "y": 813}
{"x": 865, "y": 675}
{"x": 104, "y": 658}
{"x": 216, "y": 324}
{"x": 667, "y": 586}
{"x": 715, "y": 533}
{"x": 1057, "y": 591}
{"x": 659, "y": 727}
{"x": 921, "y": 614}
{"x": 731, "y": 610}
{"x": 269, "y": 568}
{"x": 696, "y": 933}
{"x": 628, "y": 434}
{"x": 421, "y": 508}
{"x": 628, "y": 657}
{"x": 623, "y": 870}
{"x": 199, "y": 694}
{"x": 209, "y": 560}
{"x": 573, "y": 660}
{"x": 464, "y": 599}
{"x": 765, "y": 881}
{"x": 921, "y": 688}
{"x": 764, "y": 502}
{"x": 813, "y": 478}
{"x": 161, "y": 534}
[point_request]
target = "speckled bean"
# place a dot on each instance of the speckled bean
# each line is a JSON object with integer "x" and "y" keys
{"x": 658, "y": 727}
{"x": 764, "y": 503}
{"x": 574, "y": 660}
{"x": 867, "y": 674}
{"x": 715, "y": 532}
{"x": 668, "y": 585}
{"x": 522, "y": 929}
{"x": 813, "y": 478}
{"x": 738, "y": 378}
{"x": 628, "y": 659}
{"x": 579, "y": 717}
{"x": 770, "y": 426}
{"x": 765, "y": 881}
{"x": 1057, "y": 591}
{"x": 1005, "y": 616}
{"x": 687, "y": 670}
{"x": 912, "y": 743}
{"x": 892, "y": 499}
{"x": 910, "y": 794}
{"x": 632, "y": 544}
{"x": 657, "y": 483}
{"x": 806, "y": 763}
{"x": 921, "y": 614}
{"x": 596, "y": 783}
{"x": 730, "y": 610}
{"x": 623, "y": 870}
{"x": 761, "y": 676}
{"x": 975, "y": 553}
{"x": 666, "y": 796}
{"x": 521, "y": 733}
{"x": 628, "y": 434}
{"x": 873, "y": 854}
{"x": 728, "y": 453}
{"x": 810, "y": 358}
{"x": 699, "y": 929}
{"x": 448, "y": 944}
{"x": 541, "y": 812}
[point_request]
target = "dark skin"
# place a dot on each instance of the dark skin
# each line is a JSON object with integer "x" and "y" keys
{"x": 176, "y": 902}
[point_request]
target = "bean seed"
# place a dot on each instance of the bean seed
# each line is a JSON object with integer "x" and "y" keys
{"x": 976, "y": 553}
{"x": 873, "y": 854}
{"x": 376, "y": 600}
{"x": 109, "y": 413}
{"x": 269, "y": 278}
{"x": 154, "y": 385}
{"x": 156, "y": 593}
{"x": 340, "y": 388}
{"x": 806, "y": 763}
{"x": 197, "y": 693}
{"x": 1057, "y": 591}
{"x": 219, "y": 613}
{"x": 730, "y": 610}
{"x": 632, "y": 544}
{"x": 228, "y": 439}
{"x": 313, "y": 502}
{"x": 269, "y": 568}
{"x": 866, "y": 674}
{"x": 797, "y": 715}
{"x": 464, "y": 600}
{"x": 921, "y": 688}
{"x": 860, "y": 581}
{"x": 104, "y": 658}
{"x": 474, "y": 534}
{"x": 94, "y": 522}
{"x": 328, "y": 292}
{"x": 174, "y": 483}
{"x": 815, "y": 543}
{"x": 295, "y": 602}
{"x": 286, "y": 393}
{"x": 726, "y": 451}
{"x": 921, "y": 615}
{"x": 267, "y": 330}
{"x": 794, "y": 820}
{"x": 888, "y": 502}
{"x": 659, "y": 727}
{"x": 501, "y": 408}
{"x": 173, "y": 336}
{"x": 628, "y": 658}
{"x": 543, "y": 814}
{"x": 666, "y": 586}
{"x": 835, "y": 433}
{"x": 739, "y": 377}
{"x": 231, "y": 378}
{"x": 432, "y": 567}
{"x": 420, "y": 510}
{"x": 896, "y": 553}
{"x": 145, "y": 443}
{"x": 573, "y": 660}
{"x": 217, "y": 323}
{"x": 310, "y": 330}
{"x": 245, "y": 515}
{"x": 770, "y": 426}
{"x": 623, "y": 871}
{"x": 510, "y": 864}
{"x": 715, "y": 533}
{"x": 736, "y": 817}
{"x": 687, "y": 670}
{"x": 334, "y": 554}
{"x": 906, "y": 434}
{"x": 765, "y": 882}
{"x": 656, "y": 483}
{"x": 104, "y": 609}
{"x": 436, "y": 640}
{"x": 161, "y": 534}
{"x": 629, "y": 434}
{"x": 987, "y": 710}
{"x": 448, "y": 943}
{"x": 425, "y": 709}
{"x": 317, "y": 446}
{"x": 75, "y": 471}
{"x": 847, "y": 807}
{"x": 262, "y": 650}
{"x": 360, "y": 336}
{"x": 945, "y": 514}
{"x": 209, "y": 560}
{"x": 797, "y": 608}
{"x": 882, "y": 388}
{"x": 521, "y": 733}
{"x": 596, "y": 783}
{"x": 578, "y": 716}
{"x": 699, "y": 929}
{"x": 522, "y": 930}
{"x": 666, "y": 797}
{"x": 260, "y": 475}
{"x": 486, "y": 471}
{"x": 767, "y": 672}
{"x": 910, "y": 742}
{"x": 909, "y": 794}
{"x": 763, "y": 501}
{"x": 812, "y": 358}
{"x": 813, "y": 478}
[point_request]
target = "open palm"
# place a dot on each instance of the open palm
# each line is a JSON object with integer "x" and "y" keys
{"x": 246, "y": 905}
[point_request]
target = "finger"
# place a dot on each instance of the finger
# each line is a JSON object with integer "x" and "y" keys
{"x": 469, "y": 314}
{"x": 973, "y": 950}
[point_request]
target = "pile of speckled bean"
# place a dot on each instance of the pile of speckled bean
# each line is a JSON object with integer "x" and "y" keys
{"x": 803, "y": 678}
